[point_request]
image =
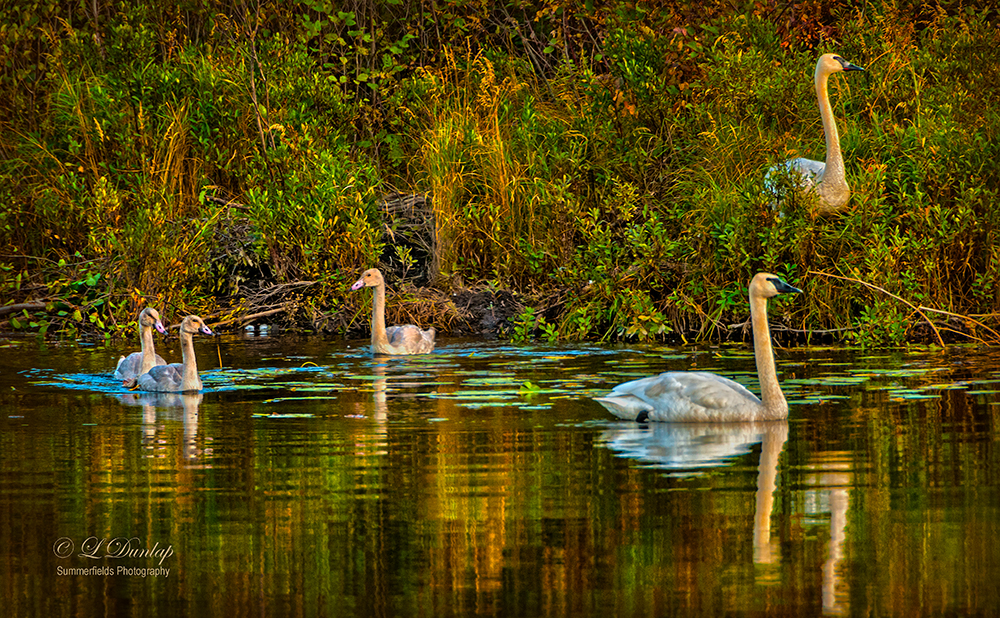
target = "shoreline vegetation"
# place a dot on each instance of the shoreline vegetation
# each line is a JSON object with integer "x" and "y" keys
{"x": 529, "y": 170}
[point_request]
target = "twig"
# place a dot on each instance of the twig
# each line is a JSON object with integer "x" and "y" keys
{"x": 887, "y": 293}
{"x": 963, "y": 317}
{"x": 778, "y": 328}
{"x": 252, "y": 316}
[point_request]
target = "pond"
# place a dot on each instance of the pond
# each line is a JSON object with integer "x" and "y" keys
{"x": 311, "y": 478}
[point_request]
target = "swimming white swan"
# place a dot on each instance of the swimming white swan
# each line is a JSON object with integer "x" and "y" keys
{"x": 827, "y": 180}
{"x": 178, "y": 377}
{"x": 405, "y": 339}
{"x": 699, "y": 396}
{"x": 137, "y": 363}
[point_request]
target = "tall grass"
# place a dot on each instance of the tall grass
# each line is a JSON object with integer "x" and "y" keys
{"x": 480, "y": 178}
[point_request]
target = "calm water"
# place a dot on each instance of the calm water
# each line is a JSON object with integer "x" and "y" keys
{"x": 311, "y": 479}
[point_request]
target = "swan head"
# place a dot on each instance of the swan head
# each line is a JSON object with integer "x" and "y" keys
{"x": 369, "y": 279}
{"x": 832, "y": 63}
{"x": 150, "y": 317}
{"x": 766, "y": 285}
{"x": 192, "y": 324}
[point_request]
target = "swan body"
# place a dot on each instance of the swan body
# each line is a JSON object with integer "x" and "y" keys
{"x": 406, "y": 339}
{"x": 177, "y": 377}
{"x": 702, "y": 397}
{"x": 137, "y": 363}
{"x": 827, "y": 180}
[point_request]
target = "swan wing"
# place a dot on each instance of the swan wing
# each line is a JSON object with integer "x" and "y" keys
{"x": 682, "y": 396}
{"x": 810, "y": 172}
{"x": 800, "y": 172}
{"x": 162, "y": 378}
{"x": 410, "y": 339}
{"x": 129, "y": 367}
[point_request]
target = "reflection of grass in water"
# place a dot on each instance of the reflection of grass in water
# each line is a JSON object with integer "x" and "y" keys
{"x": 910, "y": 394}
{"x": 949, "y": 387}
{"x": 912, "y": 372}
{"x": 827, "y": 380}
{"x": 499, "y": 394}
{"x": 476, "y": 405}
{"x": 814, "y": 398}
{"x": 505, "y": 380}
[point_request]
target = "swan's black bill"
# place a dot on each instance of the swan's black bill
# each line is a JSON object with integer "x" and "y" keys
{"x": 848, "y": 65}
{"x": 784, "y": 288}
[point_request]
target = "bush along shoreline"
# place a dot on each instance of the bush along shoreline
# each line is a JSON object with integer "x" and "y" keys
{"x": 531, "y": 171}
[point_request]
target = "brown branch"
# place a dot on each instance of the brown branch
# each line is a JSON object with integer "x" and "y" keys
{"x": 887, "y": 293}
{"x": 33, "y": 306}
{"x": 778, "y": 328}
{"x": 965, "y": 317}
{"x": 224, "y": 202}
{"x": 252, "y": 316}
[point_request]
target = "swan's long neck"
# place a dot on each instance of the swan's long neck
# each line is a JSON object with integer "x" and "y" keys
{"x": 775, "y": 406}
{"x": 834, "y": 169}
{"x": 146, "y": 345}
{"x": 378, "y": 316}
{"x": 190, "y": 381}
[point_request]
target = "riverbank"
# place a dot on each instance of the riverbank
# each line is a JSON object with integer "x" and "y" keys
{"x": 599, "y": 171}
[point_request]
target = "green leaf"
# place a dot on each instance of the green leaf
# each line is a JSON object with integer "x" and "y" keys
{"x": 528, "y": 388}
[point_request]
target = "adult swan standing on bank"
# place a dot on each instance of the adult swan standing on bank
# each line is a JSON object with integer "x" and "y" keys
{"x": 828, "y": 180}
{"x": 178, "y": 377}
{"x": 699, "y": 396}
{"x": 406, "y": 339}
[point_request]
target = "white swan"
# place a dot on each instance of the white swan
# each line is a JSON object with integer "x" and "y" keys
{"x": 699, "y": 396}
{"x": 406, "y": 339}
{"x": 137, "y": 363}
{"x": 178, "y": 377}
{"x": 827, "y": 180}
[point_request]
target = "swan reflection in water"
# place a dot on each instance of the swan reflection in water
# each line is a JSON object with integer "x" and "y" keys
{"x": 381, "y": 412}
{"x": 686, "y": 449}
{"x": 403, "y": 386}
{"x": 829, "y": 479}
{"x": 169, "y": 404}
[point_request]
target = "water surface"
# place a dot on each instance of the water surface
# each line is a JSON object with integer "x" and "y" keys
{"x": 311, "y": 478}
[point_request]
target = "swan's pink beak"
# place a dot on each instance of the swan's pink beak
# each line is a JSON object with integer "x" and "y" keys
{"x": 206, "y": 330}
{"x": 159, "y": 327}
{"x": 360, "y": 283}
